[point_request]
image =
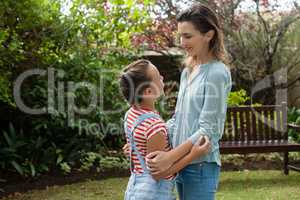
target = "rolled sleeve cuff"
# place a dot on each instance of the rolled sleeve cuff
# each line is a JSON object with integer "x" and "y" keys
{"x": 170, "y": 130}
{"x": 197, "y": 135}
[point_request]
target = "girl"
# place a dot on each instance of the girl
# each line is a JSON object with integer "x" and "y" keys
{"x": 141, "y": 85}
{"x": 201, "y": 104}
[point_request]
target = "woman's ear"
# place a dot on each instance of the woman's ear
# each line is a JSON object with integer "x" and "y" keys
{"x": 209, "y": 35}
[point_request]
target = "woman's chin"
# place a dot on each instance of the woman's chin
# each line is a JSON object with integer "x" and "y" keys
{"x": 190, "y": 53}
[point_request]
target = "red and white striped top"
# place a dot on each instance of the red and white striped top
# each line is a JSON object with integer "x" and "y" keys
{"x": 143, "y": 132}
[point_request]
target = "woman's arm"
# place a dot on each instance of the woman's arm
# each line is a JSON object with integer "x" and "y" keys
{"x": 159, "y": 161}
{"x": 213, "y": 113}
{"x": 201, "y": 147}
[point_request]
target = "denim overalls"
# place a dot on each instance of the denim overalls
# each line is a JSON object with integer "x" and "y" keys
{"x": 143, "y": 186}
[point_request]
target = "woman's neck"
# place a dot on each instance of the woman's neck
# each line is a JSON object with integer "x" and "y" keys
{"x": 202, "y": 59}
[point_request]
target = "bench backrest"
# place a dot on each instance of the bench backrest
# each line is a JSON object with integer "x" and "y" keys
{"x": 261, "y": 123}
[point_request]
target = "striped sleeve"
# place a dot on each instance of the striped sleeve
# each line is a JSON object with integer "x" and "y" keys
{"x": 154, "y": 127}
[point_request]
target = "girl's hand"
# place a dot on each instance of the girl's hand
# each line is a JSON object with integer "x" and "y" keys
{"x": 201, "y": 147}
{"x": 158, "y": 162}
{"x": 126, "y": 150}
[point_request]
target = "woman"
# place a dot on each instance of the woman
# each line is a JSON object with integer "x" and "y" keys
{"x": 201, "y": 105}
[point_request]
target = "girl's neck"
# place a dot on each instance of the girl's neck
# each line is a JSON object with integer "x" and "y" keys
{"x": 148, "y": 105}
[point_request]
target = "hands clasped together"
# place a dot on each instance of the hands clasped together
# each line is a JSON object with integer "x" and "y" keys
{"x": 159, "y": 162}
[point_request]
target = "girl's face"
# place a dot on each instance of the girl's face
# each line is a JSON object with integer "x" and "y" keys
{"x": 193, "y": 41}
{"x": 156, "y": 88}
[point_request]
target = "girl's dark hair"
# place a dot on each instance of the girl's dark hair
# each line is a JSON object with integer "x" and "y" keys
{"x": 204, "y": 19}
{"x": 134, "y": 80}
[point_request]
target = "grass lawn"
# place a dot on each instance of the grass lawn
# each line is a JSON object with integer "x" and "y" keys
{"x": 248, "y": 185}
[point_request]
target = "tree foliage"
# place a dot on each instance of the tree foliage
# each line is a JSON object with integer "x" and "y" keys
{"x": 260, "y": 41}
{"x": 85, "y": 43}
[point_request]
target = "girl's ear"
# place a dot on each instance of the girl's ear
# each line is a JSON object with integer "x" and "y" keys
{"x": 147, "y": 91}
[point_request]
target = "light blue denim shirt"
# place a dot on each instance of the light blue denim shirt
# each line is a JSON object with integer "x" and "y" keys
{"x": 201, "y": 107}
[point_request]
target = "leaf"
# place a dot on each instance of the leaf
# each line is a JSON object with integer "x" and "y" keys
{"x": 12, "y": 131}
{"x": 298, "y": 120}
{"x": 19, "y": 143}
{"x": 39, "y": 142}
{"x": 32, "y": 169}
{"x": 8, "y": 140}
{"x": 44, "y": 167}
{"x": 59, "y": 159}
{"x": 17, "y": 167}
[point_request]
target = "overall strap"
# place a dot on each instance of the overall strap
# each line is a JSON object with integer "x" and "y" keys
{"x": 129, "y": 133}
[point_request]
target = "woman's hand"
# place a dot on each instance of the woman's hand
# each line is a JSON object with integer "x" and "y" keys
{"x": 160, "y": 175}
{"x": 126, "y": 150}
{"x": 201, "y": 147}
{"x": 158, "y": 162}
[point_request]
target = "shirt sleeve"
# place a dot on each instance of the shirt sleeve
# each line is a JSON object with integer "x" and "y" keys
{"x": 155, "y": 127}
{"x": 212, "y": 116}
{"x": 170, "y": 125}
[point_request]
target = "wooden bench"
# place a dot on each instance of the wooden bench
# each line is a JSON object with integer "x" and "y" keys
{"x": 259, "y": 129}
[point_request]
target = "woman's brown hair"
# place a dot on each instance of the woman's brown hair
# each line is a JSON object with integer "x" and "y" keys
{"x": 204, "y": 19}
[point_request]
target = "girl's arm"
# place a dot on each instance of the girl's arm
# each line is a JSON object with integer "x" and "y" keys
{"x": 157, "y": 142}
{"x": 163, "y": 160}
{"x": 126, "y": 149}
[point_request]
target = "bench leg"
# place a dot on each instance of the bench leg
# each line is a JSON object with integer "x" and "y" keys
{"x": 285, "y": 163}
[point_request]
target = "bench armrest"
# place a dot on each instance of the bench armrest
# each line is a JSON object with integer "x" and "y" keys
{"x": 294, "y": 127}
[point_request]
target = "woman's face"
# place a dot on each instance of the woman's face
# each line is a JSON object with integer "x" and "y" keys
{"x": 193, "y": 41}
